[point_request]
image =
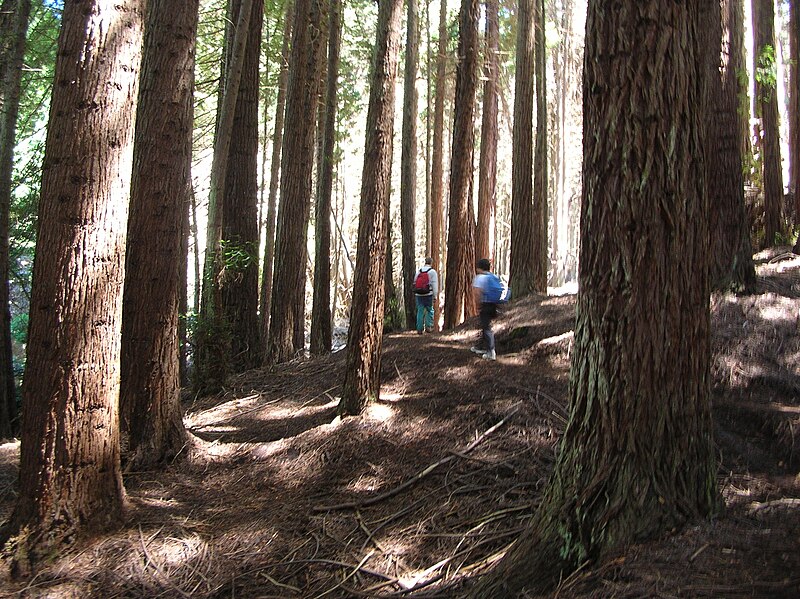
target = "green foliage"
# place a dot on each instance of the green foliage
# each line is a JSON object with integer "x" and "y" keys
{"x": 767, "y": 70}
{"x": 19, "y": 328}
{"x": 238, "y": 257}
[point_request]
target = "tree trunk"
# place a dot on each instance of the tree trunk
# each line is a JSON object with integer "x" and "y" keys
{"x": 321, "y": 310}
{"x": 408, "y": 166}
{"x": 275, "y": 169}
{"x": 765, "y": 68}
{"x": 540, "y": 212}
{"x": 240, "y": 211}
{"x": 460, "y": 246}
{"x": 437, "y": 163}
{"x": 637, "y": 458}
{"x": 487, "y": 179}
{"x": 794, "y": 106}
{"x": 523, "y": 227}
{"x": 731, "y": 258}
{"x": 70, "y": 476}
{"x": 364, "y": 340}
{"x": 150, "y": 383}
{"x": 213, "y": 357}
{"x": 297, "y": 164}
{"x": 14, "y": 16}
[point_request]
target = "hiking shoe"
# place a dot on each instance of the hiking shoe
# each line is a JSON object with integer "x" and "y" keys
{"x": 477, "y": 350}
{"x": 490, "y": 355}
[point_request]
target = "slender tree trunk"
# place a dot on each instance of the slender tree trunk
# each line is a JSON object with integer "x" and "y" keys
{"x": 408, "y": 165}
{"x": 487, "y": 179}
{"x": 437, "y": 164}
{"x": 288, "y": 296}
{"x": 794, "y": 106}
{"x": 540, "y": 212}
{"x": 637, "y": 458}
{"x": 523, "y": 227}
{"x": 213, "y": 340}
{"x": 460, "y": 243}
{"x": 150, "y": 382}
{"x": 363, "y": 366}
{"x": 765, "y": 68}
{"x": 321, "y": 311}
{"x": 14, "y": 16}
{"x": 70, "y": 477}
{"x": 731, "y": 258}
{"x": 275, "y": 169}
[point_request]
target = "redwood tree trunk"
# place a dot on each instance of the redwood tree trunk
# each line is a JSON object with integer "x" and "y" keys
{"x": 794, "y": 106}
{"x": 240, "y": 211}
{"x": 365, "y": 338}
{"x": 731, "y": 258}
{"x": 540, "y": 212}
{"x": 14, "y": 16}
{"x": 487, "y": 179}
{"x": 637, "y": 458}
{"x": 297, "y": 165}
{"x": 408, "y": 166}
{"x": 437, "y": 160}
{"x": 523, "y": 227}
{"x": 321, "y": 311}
{"x": 460, "y": 246}
{"x": 265, "y": 297}
{"x": 69, "y": 459}
{"x": 150, "y": 387}
{"x": 764, "y": 57}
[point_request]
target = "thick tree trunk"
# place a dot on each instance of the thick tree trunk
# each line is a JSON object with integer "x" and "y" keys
{"x": 365, "y": 338}
{"x": 70, "y": 476}
{"x": 637, "y": 458}
{"x": 523, "y": 228}
{"x": 321, "y": 310}
{"x": 437, "y": 162}
{"x": 764, "y": 57}
{"x": 297, "y": 164}
{"x": 460, "y": 243}
{"x": 275, "y": 169}
{"x": 408, "y": 166}
{"x": 487, "y": 179}
{"x": 731, "y": 259}
{"x": 14, "y": 16}
{"x": 150, "y": 382}
{"x": 794, "y": 106}
{"x": 240, "y": 211}
{"x": 540, "y": 211}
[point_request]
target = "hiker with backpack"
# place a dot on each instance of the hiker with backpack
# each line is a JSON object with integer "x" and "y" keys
{"x": 426, "y": 287}
{"x": 489, "y": 291}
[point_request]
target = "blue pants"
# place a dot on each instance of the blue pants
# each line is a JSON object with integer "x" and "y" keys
{"x": 487, "y": 313}
{"x": 424, "y": 312}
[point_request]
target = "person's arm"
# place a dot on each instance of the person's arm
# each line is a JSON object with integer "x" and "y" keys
{"x": 477, "y": 292}
{"x": 434, "y": 277}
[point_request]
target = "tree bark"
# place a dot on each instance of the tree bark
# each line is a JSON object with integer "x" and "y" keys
{"x": 240, "y": 211}
{"x": 275, "y": 169}
{"x": 150, "y": 381}
{"x": 731, "y": 259}
{"x": 523, "y": 226}
{"x": 540, "y": 212}
{"x": 765, "y": 68}
{"x": 637, "y": 458}
{"x": 213, "y": 359}
{"x": 460, "y": 243}
{"x": 408, "y": 165}
{"x": 794, "y": 106}
{"x": 70, "y": 478}
{"x": 297, "y": 164}
{"x": 321, "y": 310}
{"x": 487, "y": 179}
{"x": 365, "y": 338}
{"x": 14, "y": 17}
{"x": 437, "y": 161}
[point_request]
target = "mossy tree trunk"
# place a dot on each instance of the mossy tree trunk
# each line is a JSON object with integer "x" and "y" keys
{"x": 637, "y": 457}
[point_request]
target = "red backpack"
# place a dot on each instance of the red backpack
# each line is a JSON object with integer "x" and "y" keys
{"x": 422, "y": 283}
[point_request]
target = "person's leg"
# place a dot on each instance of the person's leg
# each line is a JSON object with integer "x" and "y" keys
{"x": 428, "y": 314}
{"x": 488, "y": 312}
{"x": 420, "y": 315}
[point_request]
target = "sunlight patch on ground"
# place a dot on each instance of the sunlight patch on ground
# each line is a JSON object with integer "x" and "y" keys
{"x": 221, "y": 412}
{"x": 569, "y": 335}
{"x": 568, "y": 289}
{"x": 380, "y": 411}
{"x": 776, "y": 308}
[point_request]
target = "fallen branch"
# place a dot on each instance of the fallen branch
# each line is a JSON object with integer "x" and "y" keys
{"x": 418, "y": 477}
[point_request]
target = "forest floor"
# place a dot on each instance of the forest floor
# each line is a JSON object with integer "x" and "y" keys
{"x": 279, "y": 498}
